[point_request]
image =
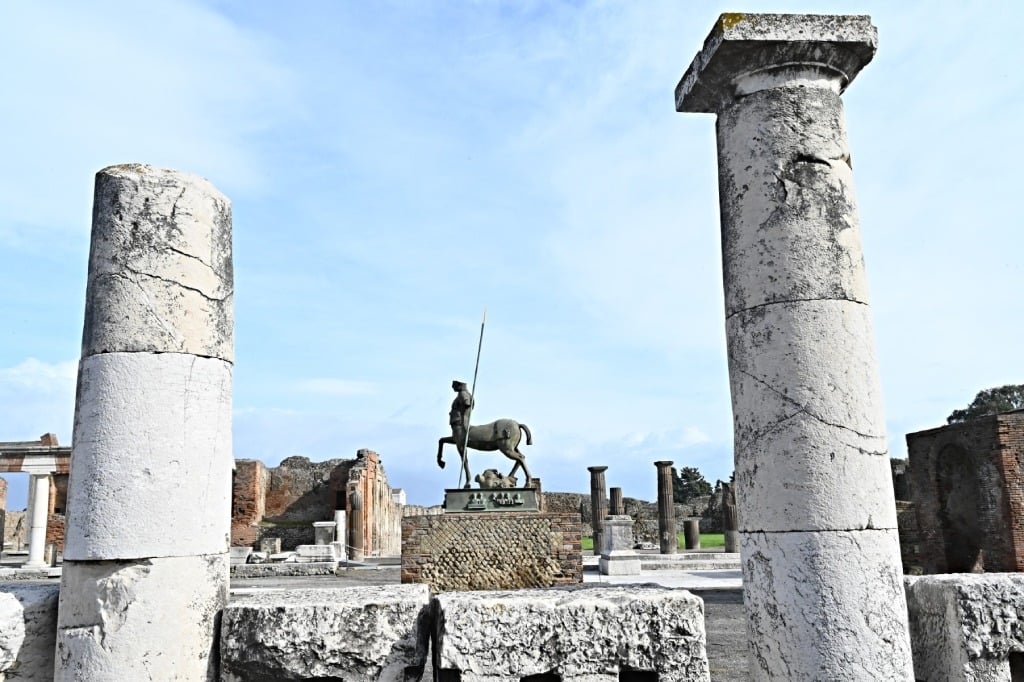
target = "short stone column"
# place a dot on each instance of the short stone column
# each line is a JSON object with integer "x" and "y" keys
{"x": 615, "y": 506}
{"x": 822, "y": 579}
{"x": 149, "y": 498}
{"x": 355, "y": 549}
{"x": 691, "y": 533}
{"x": 730, "y": 518}
{"x": 598, "y": 510}
{"x": 38, "y": 512}
{"x": 667, "y": 539}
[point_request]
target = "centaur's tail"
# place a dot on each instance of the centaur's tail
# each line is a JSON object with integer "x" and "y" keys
{"x": 529, "y": 436}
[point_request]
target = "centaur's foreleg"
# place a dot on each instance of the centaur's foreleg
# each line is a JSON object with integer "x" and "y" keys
{"x": 459, "y": 441}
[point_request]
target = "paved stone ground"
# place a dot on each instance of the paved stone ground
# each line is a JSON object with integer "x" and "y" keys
{"x": 723, "y": 612}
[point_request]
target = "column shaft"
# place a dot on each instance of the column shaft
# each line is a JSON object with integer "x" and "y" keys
{"x": 667, "y": 539}
{"x": 823, "y": 587}
{"x": 598, "y": 505}
{"x": 615, "y": 502}
{"x": 149, "y": 494}
{"x": 38, "y": 513}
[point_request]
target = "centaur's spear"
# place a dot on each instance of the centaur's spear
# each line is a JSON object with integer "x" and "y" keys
{"x": 469, "y": 412}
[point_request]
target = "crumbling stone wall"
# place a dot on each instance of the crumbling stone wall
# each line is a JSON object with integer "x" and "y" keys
{"x": 967, "y": 485}
{"x": 382, "y": 516}
{"x": 284, "y": 501}
{"x": 492, "y": 550}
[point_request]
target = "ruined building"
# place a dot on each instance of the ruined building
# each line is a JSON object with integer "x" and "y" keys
{"x": 284, "y": 501}
{"x": 967, "y": 489}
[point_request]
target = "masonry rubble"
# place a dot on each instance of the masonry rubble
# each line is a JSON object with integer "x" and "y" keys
{"x": 821, "y": 565}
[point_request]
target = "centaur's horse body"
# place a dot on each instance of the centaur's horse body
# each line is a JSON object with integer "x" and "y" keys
{"x": 503, "y": 435}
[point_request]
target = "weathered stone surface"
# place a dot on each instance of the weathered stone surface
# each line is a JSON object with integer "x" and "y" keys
{"x": 492, "y": 550}
{"x": 736, "y": 54}
{"x": 28, "y": 630}
{"x": 152, "y": 457}
{"x": 579, "y": 633}
{"x": 108, "y": 608}
{"x": 796, "y": 594}
{"x": 964, "y": 627}
{"x": 355, "y": 634}
{"x": 277, "y": 569}
{"x": 160, "y": 268}
{"x": 617, "y": 556}
{"x": 814, "y": 492}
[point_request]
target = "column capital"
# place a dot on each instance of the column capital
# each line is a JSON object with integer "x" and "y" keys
{"x": 745, "y": 53}
{"x": 664, "y": 463}
{"x": 597, "y": 470}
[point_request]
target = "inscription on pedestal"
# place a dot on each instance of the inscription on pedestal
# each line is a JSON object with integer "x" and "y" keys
{"x": 459, "y": 500}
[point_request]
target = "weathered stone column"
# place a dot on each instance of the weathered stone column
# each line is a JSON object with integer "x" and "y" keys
{"x": 355, "y": 549}
{"x": 691, "y": 533}
{"x": 149, "y": 498}
{"x": 667, "y": 539}
{"x": 823, "y": 589}
{"x": 730, "y": 518}
{"x": 38, "y": 511}
{"x": 598, "y": 508}
{"x": 615, "y": 505}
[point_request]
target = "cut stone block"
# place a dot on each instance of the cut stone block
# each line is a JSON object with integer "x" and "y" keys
{"x": 28, "y": 631}
{"x": 580, "y": 633}
{"x": 152, "y": 458}
{"x": 967, "y": 627}
{"x": 160, "y": 269}
{"x": 617, "y": 556}
{"x": 306, "y": 553}
{"x": 240, "y": 555}
{"x": 107, "y": 611}
{"x": 356, "y": 634}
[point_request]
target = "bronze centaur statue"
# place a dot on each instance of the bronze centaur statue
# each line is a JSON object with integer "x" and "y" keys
{"x": 503, "y": 435}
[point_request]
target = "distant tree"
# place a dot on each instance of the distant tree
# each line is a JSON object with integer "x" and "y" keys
{"x": 991, "y": 401}
{"x": 688, "y": 483}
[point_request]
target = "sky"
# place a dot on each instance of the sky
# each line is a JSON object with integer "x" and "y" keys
{"x": 396, "y": 168}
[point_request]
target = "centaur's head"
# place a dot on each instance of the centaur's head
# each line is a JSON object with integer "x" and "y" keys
{"x": 458, "y": 385}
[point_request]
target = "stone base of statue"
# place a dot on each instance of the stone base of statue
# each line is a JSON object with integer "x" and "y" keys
{"x": 617, "y": 556}
{"x": 469, "y": 501}
{"x": 499, "y": 549}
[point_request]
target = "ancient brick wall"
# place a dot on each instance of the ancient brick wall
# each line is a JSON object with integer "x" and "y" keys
{"x": 248, "y": 501}
{"x": 966, "y": 484}
{"x": 492, "y": 550}
{"x": 302, "y": 490}
{"x": 55, "y": 530}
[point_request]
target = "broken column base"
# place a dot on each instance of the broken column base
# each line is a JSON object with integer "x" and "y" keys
{"x": 119, "y": 616}
{"x": 28, "y": 627}
{"x": 967, "y": 626}
{"x": 582, "y": 633}
{"x": 357, "y": 634}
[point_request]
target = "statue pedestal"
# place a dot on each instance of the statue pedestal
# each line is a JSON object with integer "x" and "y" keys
{"x": 469, "y": 501}
{"x": 492, "y": 550}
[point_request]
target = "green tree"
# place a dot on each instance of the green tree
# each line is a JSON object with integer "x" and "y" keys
{"x": 688, "y": 483}
{"x": 991, "y": 401}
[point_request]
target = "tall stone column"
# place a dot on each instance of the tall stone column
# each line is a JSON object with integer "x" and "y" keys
{"x": 615, "y": 502}
{"x": 356, "y": 542}
{"x": 149, "y": 498}
{"x": 38, "y": 512}
{"x": 598, "y": 508}
{"x": 667, "y": 538}
{"x": 823, "y": 587}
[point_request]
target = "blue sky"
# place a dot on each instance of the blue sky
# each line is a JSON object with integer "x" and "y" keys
{"x": 396, "y": 167}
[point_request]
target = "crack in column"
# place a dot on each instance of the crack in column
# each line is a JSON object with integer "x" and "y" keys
{"x": 818, "y": 299}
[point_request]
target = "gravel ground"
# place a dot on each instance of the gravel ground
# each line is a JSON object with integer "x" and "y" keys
{"x": 723, "y": 615}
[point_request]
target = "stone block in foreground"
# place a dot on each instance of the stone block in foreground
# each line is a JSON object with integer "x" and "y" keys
{"x": 967, "y": 626}
{"x": 355, "y": 634}
{"x": 28, "y": 630}
{"x": 581, "y": 633}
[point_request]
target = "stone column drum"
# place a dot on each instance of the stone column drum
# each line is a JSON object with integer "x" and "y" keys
{"x": 691, "y": 533}
{"x": 822, "y": 578}
{"x": 146, "y": 549}
{"x": 598, "y": 508}
{"x": 667, "y": 539}
{"x": 615, "y": 506}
